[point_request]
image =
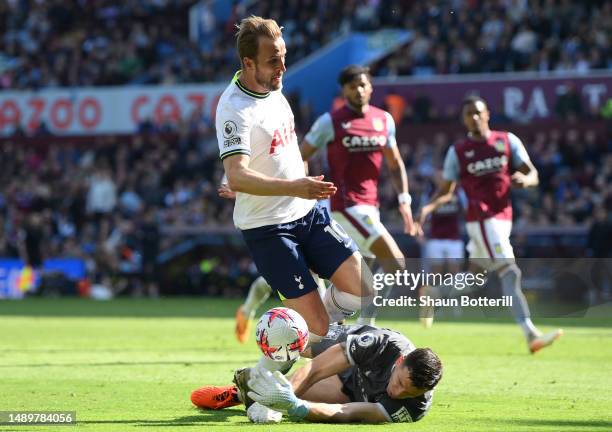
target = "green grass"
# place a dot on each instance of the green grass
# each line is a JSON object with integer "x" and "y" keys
{"x": 130, "y": 365}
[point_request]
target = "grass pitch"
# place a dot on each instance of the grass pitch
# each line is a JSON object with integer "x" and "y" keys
{"x": 130, "y": 365}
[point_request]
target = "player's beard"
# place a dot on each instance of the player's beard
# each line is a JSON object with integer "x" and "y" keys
{"x": 268, "y": 84}
{"x": 357, "y": 104}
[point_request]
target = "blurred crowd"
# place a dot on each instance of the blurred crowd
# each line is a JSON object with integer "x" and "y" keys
{"x": 108, "y": 203}
{"x": 57, "y": 43}
{"x": 452, "y": 37}
{"x": 110, "y": 42}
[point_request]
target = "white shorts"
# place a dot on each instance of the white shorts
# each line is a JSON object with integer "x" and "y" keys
{"x": 490, "y": 242}
{"x": 362, "y": 223}
{"x": 444, "y": 248}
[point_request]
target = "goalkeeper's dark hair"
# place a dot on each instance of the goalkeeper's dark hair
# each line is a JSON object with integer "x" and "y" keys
{"x": 351, "y": 72}
{"x": 425, "y": 368}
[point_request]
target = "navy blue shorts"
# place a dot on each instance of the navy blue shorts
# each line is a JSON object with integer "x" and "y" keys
{"x": 284, "y": 254}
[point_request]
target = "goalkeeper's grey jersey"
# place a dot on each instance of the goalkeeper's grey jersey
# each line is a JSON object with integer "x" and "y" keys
{"x": 373, "y": 353}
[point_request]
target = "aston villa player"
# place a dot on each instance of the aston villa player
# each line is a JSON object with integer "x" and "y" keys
{"x": 486, "y": 164}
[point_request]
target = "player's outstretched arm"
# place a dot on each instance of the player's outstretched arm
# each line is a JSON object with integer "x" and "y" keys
{"x": 330, "y": 362}
{"x": 243, "y": 179}
{"x": 444, "y": 194}
{"x": 352, "y": 412}
{"x": 399, "y": 178}
{"x": 275, "y": 392}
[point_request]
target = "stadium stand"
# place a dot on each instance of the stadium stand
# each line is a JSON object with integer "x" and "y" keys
{"x": 90, "y": 195}
{"x": 69, "y": 43}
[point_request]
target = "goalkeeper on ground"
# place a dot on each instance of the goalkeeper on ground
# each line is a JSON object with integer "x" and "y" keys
{"x": 358, "y": 374}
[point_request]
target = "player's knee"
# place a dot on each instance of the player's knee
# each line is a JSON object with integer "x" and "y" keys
{"x": 392, "y": 264}
{"x": 510, "y": 269}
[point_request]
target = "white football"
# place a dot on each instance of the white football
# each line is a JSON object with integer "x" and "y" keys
{"x": 281, "y": 334}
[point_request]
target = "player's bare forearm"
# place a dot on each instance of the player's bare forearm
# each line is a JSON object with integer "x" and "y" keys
{"x": 397, "y": 169}
{"x": 526, "y": 176}
{"x": 332, "y": 361}
{"x": 243, "y": 179}
{"x": 443, "y": 195}
{"x": 248, "y": 181}
{"x": 302, "y": 379}
{"x": 439, "y": 200}
{"x": 399, "y": 178}
{"x": 352, "y": 412}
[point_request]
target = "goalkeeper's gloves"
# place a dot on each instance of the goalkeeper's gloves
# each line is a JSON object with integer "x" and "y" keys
{"x": 274, "y": 391}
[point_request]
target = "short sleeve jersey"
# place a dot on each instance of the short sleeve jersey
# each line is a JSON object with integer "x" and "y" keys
{"x": 261, "y": 125}
{"x": 354, "y": 143}
{"x": 484, "y": 169}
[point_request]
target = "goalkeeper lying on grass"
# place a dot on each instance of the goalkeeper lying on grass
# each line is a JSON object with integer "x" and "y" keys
{"x": 358, "y": 374}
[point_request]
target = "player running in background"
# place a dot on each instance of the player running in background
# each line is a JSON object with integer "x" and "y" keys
{"x": 358, "y": 137}
{"x": 286, "y": 231}
{"x": 443, "y": 250}
{"x": 358, "y": 374}
{"x": 443, "y": 245}
{"x": 486, "y": 164}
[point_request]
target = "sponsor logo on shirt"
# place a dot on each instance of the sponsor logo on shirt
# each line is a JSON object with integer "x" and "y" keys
{"x": 359, "y": 143}
{"x": 401, "y": 415}
{"x": 231, "y": 142}
{"x": 488, "y": 165}
{"x": 282, "y": 137}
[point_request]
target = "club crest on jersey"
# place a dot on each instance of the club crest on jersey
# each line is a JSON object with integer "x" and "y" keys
{"x": 229, "y": 129}
{"x": 378, "y": 124}
{"x": 365, "y": 340}
{"x": 500, "y": 145}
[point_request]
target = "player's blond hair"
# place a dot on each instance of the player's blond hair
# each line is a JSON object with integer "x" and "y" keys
{"x": 249, "y": 31}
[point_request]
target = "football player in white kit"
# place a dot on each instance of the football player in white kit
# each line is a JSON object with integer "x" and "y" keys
{"x": 285, "y": 229}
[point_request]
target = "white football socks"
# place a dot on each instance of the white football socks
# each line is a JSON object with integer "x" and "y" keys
{"x": 340, "y": 304}
{"x": 259, "y": 291}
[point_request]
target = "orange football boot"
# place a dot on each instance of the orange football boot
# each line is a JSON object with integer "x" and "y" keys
{"x": 243, "y": 325}
{"x": 542, "y": 341}
{"x": 215, "y": 397}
